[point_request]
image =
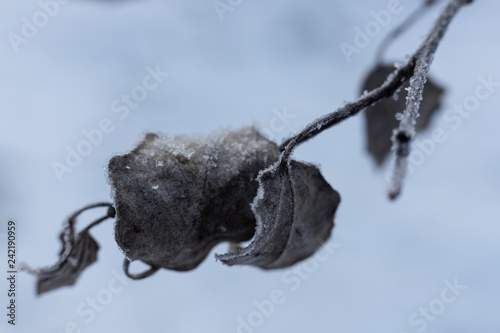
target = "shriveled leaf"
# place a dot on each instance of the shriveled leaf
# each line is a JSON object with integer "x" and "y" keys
{"x": 177, "y": 197}
{"x": 75, "y": 257}
{"x": 294, "y": 208}
{"x": 380, "y": 119}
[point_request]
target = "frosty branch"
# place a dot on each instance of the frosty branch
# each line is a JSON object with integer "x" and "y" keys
{"x": 416, "y": 70}
{"x": 406, "y": 131}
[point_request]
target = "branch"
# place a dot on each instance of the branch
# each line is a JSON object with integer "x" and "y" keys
{"x": 405, "y": 133}
{"x": 416, "y": 68}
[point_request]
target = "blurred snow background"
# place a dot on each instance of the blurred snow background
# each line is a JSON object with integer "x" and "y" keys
{"x": 391, "y": 259}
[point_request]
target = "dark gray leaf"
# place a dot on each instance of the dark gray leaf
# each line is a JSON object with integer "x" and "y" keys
{"x": 82, "y": 253}
{"x": 177, "y": 197}
{"x": 380, "y": 119}
{"x": 294, "y": 208}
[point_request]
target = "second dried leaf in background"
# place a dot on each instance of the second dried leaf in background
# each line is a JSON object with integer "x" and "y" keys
{"x": 380, "y": 119}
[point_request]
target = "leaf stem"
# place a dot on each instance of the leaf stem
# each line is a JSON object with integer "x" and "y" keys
{"x": 68, "y": 237}
{"x": 145, "y": 274}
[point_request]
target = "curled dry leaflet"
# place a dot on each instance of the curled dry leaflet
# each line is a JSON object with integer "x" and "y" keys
{"x": 175, "y": 198}
{"x": 77, "y": 253}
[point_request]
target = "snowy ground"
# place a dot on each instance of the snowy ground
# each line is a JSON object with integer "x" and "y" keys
{"x": 427, "y": 262}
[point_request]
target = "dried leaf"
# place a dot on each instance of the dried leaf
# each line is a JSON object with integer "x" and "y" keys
{"x": 177, "y": 197}
{"x": 75, "y": 257}
{"x": 294, "y": 207}
{"x": 381, "y": 117}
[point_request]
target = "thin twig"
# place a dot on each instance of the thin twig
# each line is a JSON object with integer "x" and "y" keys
{"x": 402, "y": 28}
{"x": 405, "y": 133}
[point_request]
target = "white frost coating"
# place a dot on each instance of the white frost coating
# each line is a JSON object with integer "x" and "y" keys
{"x": 205, "y": 149}
{"x": 395, "y": 96}
{"x": 261, "y": 193}
{"x": 390, "y": 77}
{"x": 424, "y": 57}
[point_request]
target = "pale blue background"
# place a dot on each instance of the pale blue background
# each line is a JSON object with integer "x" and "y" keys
{"x": 392, "y": 257}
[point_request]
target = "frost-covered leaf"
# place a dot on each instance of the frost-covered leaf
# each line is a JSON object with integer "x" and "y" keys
{"x": 76, "y": 255}
{"x": 177, "y": 197}
{"x": 294, "y": 208}
{"x": 380, "y": 119}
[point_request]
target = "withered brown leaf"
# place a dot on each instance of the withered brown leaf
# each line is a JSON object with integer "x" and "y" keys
{"x": 76, "y": 255}
{"x": 380, "y": 119}
{"x": 177, "y": 197}
{"x": 294, "y": 208}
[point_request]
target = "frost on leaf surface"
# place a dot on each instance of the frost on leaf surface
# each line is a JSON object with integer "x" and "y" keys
{"x": 177, "y": 197}
{"x": 294, "y": 208}
{"x": 380, "y": 119}
{"x": 76, "y": 255}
